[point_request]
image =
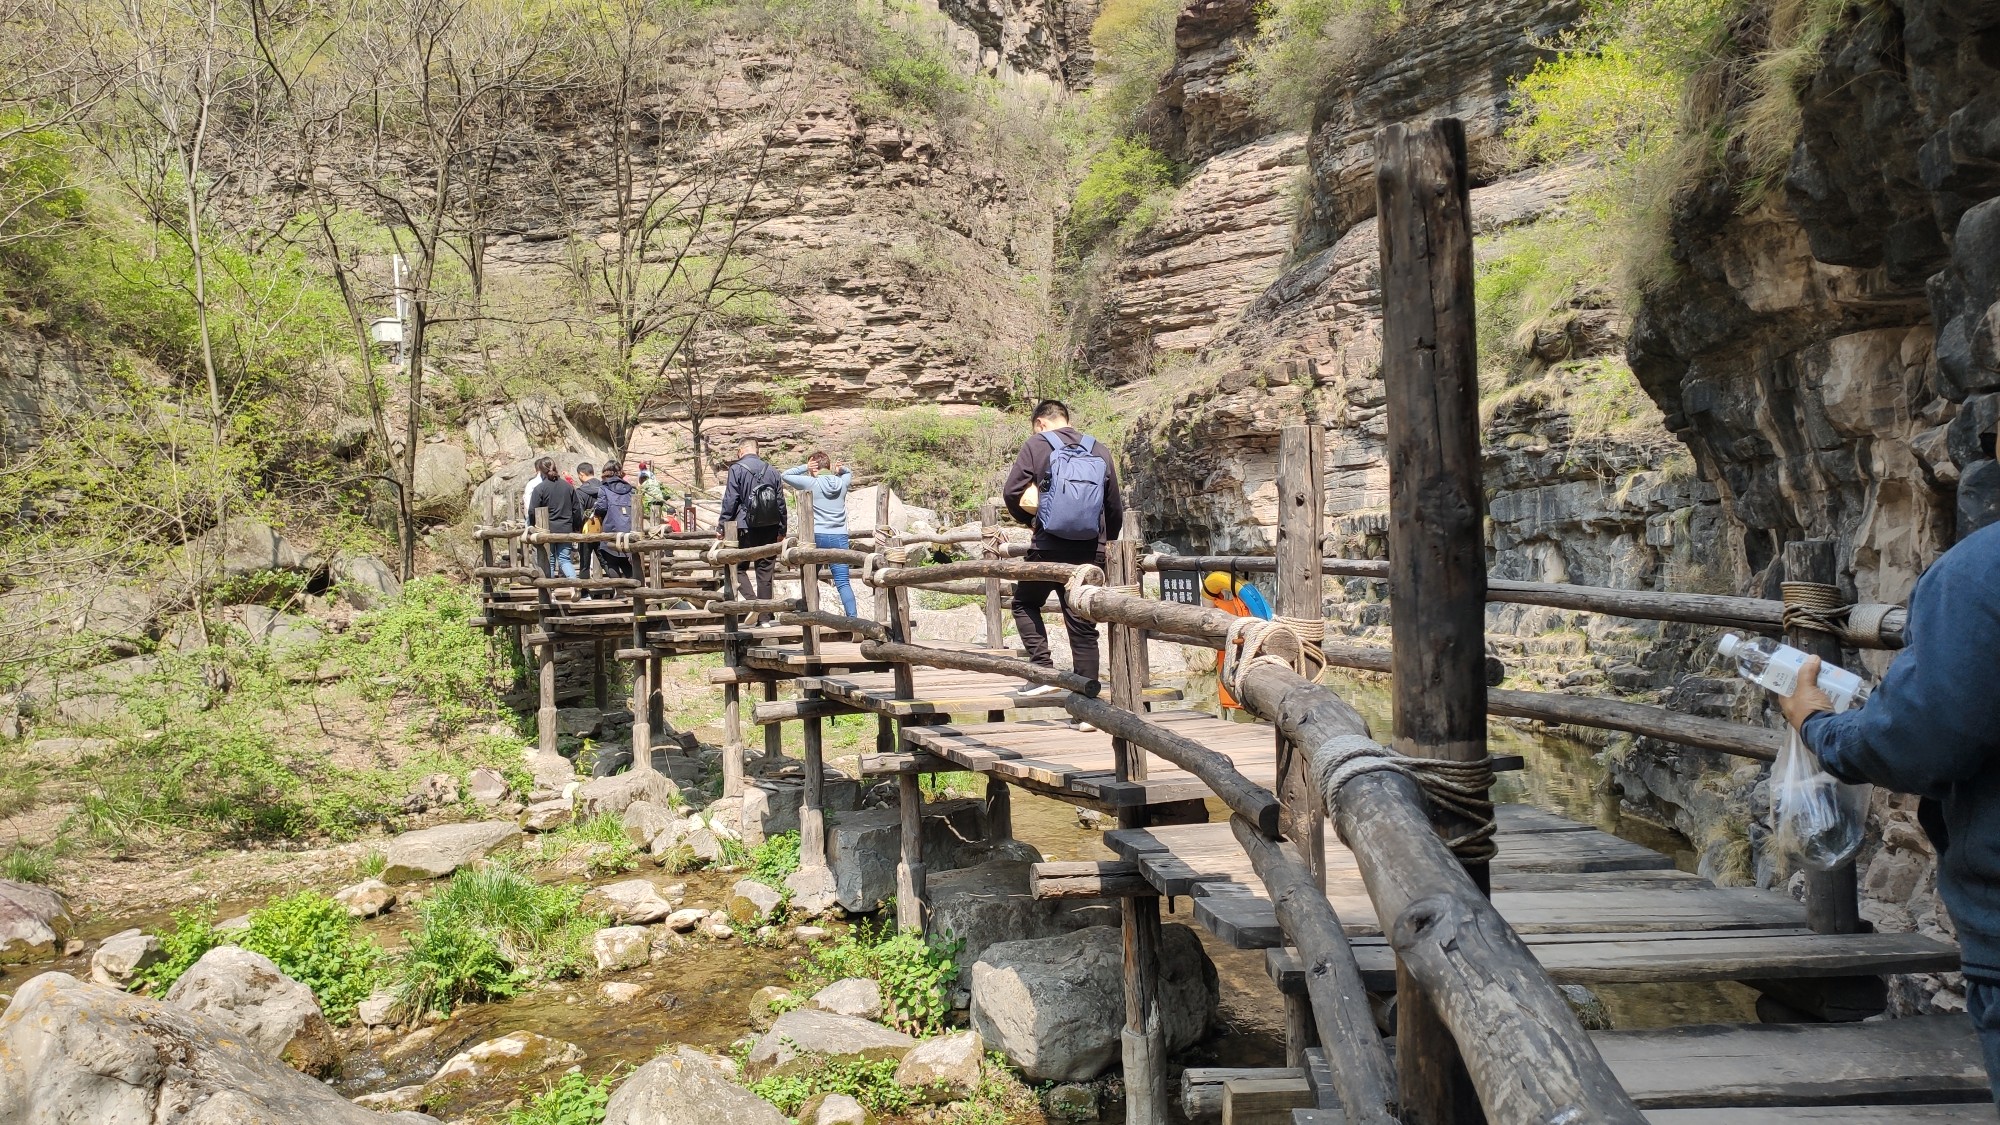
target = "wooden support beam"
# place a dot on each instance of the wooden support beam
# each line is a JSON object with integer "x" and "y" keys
{"x": 905, "y": 655}
{"x": 1088, "y": 879}
{"x": 839, "y": 623}
{"x": 720, "y": 676}
{"x": 1143, "y": 1041}
{"x": 1362, "y": 1072}
{"x": 811, "y": 706}
{"x": 1437, "y": 506}
{"x": 750, "y": 607}
{"x": 1833, "y": 898}
{"x": 732, "y": 694}
{"x": 1301, "y": 505}
{"x": 999, "y": 811}
{"x": 910, "y": 874}
{"x": 774, "y": 733}
{"x": 1017, "y": 570}
{"x": 989, "y": 525}
{"x": 1242, "y": 796}
{"x": 1202, "y": 1087}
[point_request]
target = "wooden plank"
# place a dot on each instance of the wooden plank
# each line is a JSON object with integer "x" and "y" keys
{"x": 1964, "y": 1112}
{"x": 1924, "y": 1059}
{"x": 1264, "y": 1101}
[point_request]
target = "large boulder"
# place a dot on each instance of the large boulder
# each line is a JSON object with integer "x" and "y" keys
{"x": 277, "y": 1014}
{"x": 613, "y": 795}
{"x": 433, "y": 853}
{"x": 944, "y": 1069}
{"x": 856, "y": 996}
{"x": 646, "y": 821}
{"x": 364, "y": 580}
{"x": 771, "y": 805}
{"x": 620, "y": 947}
{"x": 686, "y": 1087}
{"x": 250, "y": 555}
{"x": 750, "y": 902}
{"x": 120, "y": 957}
{"x": 1054, "y": 1006}
{"x": 987, "y": 904}
{"x": 73, "y": 1053}
{"x": 442, "y": 481}
{"x": 862, "y": 848}
{"x": 33, "y": 922}
{"x": 266, "y": 626}
{"x": 799, "y": 1036}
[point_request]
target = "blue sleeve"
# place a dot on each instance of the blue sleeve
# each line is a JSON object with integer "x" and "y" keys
{"x": 800, "y": 478}
{"x": 1935, "y": 718}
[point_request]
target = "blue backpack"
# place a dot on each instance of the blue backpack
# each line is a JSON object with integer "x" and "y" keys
{"x": 1072, "y": 503}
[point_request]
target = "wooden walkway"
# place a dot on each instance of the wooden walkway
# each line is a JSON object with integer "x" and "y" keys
{"x": 940, "y": 691}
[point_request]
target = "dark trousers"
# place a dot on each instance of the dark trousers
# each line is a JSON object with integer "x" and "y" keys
{"x": 615, "y": 566}
{"x": 1030, "y": 598}
{"x": 1982, "y": 1003}
{"x": 746, "y": 589}
{"x": 584, "y": 553}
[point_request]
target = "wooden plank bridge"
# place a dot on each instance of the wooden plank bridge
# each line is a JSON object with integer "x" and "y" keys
{"x": 1416, "y": 937}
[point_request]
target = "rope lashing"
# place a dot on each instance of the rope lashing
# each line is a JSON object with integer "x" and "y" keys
{"x": 785, "y": 552}
{"x": 868, "y": 567}
{"x": 622, "y": 543}
{"x": 1461, "y": 788}
{"x": 713, "y": 556}
{"x": 1081, "y": 589}
{"x": 1310, "y": 631}
{"x": 1244, "y": 645}
{"x": 1821, "y": 607}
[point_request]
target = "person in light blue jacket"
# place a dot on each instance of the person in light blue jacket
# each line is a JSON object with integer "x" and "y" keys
{"x": 828, "y": 485}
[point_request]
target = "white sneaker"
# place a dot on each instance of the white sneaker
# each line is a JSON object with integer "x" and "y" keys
{"x": 1039, "y": 691}
{"x": 1083, "y": 726}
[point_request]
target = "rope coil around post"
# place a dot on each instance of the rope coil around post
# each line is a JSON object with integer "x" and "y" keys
{"x": 1821, "y": 607}
{"x": 1310, "y": 631}
{"x": 1458, "y": 787}
{"x": 785, "y": 552}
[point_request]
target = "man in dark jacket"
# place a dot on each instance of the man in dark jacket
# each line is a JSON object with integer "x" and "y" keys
{"x": 588, "y": 489}
{"x": 1933, "y": 729}
{"x": 1032, "y": 468}
{"x": 748, "y": 499}
{"x": 556, "y": 496}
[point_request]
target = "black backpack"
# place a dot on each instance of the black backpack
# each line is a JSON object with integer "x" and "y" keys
{"x": 766, "y": 506}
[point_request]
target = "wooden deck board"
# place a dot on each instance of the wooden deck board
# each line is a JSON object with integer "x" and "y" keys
{"x": 1055, "y": 755}
{"x": 1967, "y": 1112}
{"x": 1925, "y": 1059}
{"x": 941, "y": 691}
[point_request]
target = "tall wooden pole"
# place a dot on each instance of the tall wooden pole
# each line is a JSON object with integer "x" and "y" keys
{"x": 883, "y": 539}
{"x": 1143, "y": 1040}
{"x": 1437, "y": 508}
{"x": 642, "y": 687}
{"x": 1301, "y": 507}
{"x": 989, "y": 526}
{"x": 1833, "y": 898}
{"x": 732, "y": 693}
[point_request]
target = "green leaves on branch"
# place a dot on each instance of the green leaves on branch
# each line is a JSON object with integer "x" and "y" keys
{"x": 1125, "y": 187}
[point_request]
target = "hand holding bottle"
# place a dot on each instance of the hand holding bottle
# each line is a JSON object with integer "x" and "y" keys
{"x": 1807, "y": 699}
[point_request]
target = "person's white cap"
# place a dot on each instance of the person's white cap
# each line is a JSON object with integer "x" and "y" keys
{"x": 1727, "y": 645}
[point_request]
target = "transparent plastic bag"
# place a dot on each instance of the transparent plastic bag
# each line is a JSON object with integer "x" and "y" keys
{"x": 1815, "y": 816}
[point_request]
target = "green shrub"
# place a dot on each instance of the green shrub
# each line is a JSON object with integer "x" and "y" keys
{"x": 775, "y": 858}
{"x": 192, "y": 934}
{"x": 312, "y": 940}
{"x": 1132, "y": 48}
{"x": 487, "y": 933}
{"x": 570, "y": 1100}
{"x": 600, "y": 840}
{"x": 1302, "y": 46}
{"x": 424, "y": 644}
{"x": 25, "y": 863}
{"x": 872, "y": 1083}
{"x": 915, "y": 973}
{"x": 1124, "y": 188}
{"x": 949, "y": 462}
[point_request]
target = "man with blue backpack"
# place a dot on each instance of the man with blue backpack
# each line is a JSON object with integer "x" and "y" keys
{"x": 1064, "y": 484}
{"x": 754, "y": 498}
{"x": 617, "y": 510}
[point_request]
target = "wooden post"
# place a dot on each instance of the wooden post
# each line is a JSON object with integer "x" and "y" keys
{"x": 999, "y": 811}
{"x": 996, "y": 636}
{"x": 910, "y": 870}
{"x": 1143, "y": 1039}
{"x": 1437, "y": 506}
{"x": 774, "y": 733}
{"x": 1833, "y": 898}
{"x": 642, "y": 688}
{"x": 487, "y": 563}
{"x": 732, "y": 694}
{"x": 545, "y": 714}
{"x": 883, "y": 539}
{"x": 600, "y": 680}
{"x": 1301, "y": 503}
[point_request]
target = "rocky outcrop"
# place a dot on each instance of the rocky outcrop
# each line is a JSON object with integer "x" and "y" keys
{"x": 79, "y": 1054}
{"x": 806, "y": 1034}
{"x": 686, "y": 1087}
{"x": 33, "y": 922}
{"x": 433, "y": 853}
{"x": 1036, "y": 46}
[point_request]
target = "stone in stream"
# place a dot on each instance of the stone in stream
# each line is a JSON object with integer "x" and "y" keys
{"x": 613, "y": 795}
{"x": 801, "y": 1035}
{"x": 620, "y": 947}
{"x": 761, "y": 1012}
{"x": 550, "y": 772}
{"x": 367, "y": 898}
{"x": 832, "y": 1109}
{"x": 855, "y": 996}
{"x": 433, "y": 853}
{"x": 685, "y": 920}
{"x": 120, "y": 957}
{"x": 750, "y": 902}
{"x": 621, "y": 992}
{"x": 984, "y": 905}
{"x": 1054, "y": 1006}
{"x": 645, "y": 821}
{"x": 33, "y": 922}
{"x": 547, "y": 816}
{"x": 516, "y": 1056}
{"x": 81, "y": 1054}
{"x": 686, "y": 1087}
{"x": 249, "y": 993}
{"x": 944, "y": 1069}
{"x": 629, "y": 902}
{"x": 377, "y": 1010}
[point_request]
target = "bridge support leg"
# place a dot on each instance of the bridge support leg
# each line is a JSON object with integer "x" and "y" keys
{"x": 600, "y": 680}
{"x": 1143, "y": 1039}
{"x": 910, "y": 873}
{"x": 774, "y": 733}
{"x": 545, "y": 712}
{"x": 642, "y": 726}
{"x": 1437, "y": 510}
{"x": 812, "y": 805}
{"x": 999, "y": 811}
{"x": 732, "y": 741}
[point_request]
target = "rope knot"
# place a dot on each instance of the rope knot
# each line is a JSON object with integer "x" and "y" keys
{"x": 1458, "y": 788}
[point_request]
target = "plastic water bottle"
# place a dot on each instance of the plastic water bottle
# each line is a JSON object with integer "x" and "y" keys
{"x": 1775, "y": 667}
